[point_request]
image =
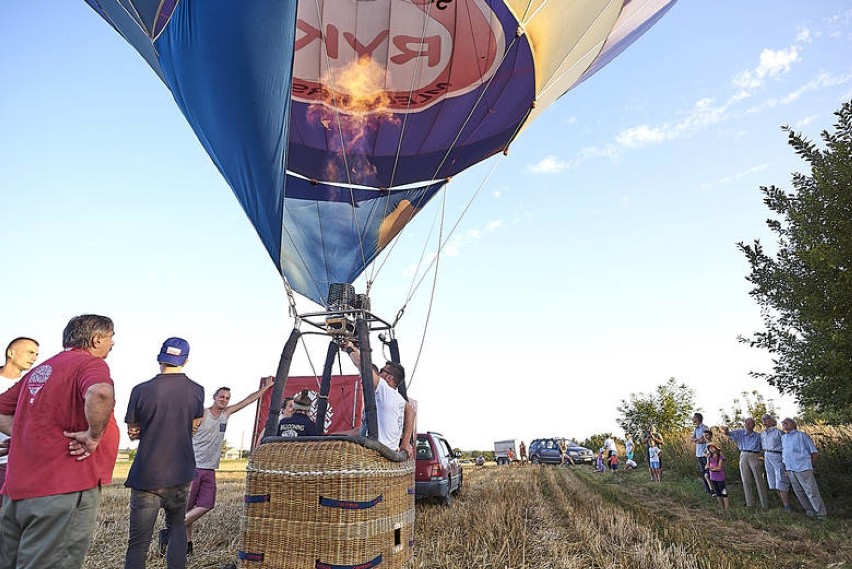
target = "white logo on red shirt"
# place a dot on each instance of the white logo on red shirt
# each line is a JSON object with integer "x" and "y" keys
{"x": 37, "y": 378}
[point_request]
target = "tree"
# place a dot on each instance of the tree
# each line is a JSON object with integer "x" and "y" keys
{"x": 804, "y": 290}
{"x": 670, "y": 407}
{"x": 756, "y": 406}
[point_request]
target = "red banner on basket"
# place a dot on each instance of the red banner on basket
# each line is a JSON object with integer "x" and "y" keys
{"x": 345, "y": 402}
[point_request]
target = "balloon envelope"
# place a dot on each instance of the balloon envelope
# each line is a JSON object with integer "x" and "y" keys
{"x": 335, "y": 121}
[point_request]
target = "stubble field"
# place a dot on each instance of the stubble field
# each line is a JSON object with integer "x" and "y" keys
{"x": 541, "y": 517}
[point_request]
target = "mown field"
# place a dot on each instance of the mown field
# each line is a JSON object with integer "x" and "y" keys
{"x": 541, "y": 517}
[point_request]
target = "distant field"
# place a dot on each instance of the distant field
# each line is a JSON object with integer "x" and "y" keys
{"x": 540, "y": 517}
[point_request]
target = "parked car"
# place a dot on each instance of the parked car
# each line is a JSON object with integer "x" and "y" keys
{"x": 546, "y": 451}
{"x": 438, "y": 472}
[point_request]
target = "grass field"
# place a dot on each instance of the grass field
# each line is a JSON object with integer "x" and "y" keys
{"x": 541, "y": 517}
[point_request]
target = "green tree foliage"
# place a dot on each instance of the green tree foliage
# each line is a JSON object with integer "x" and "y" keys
{"x": 670, "y": 407}
{"x": 752, "y": 405}
{"x": 804, "y": 290}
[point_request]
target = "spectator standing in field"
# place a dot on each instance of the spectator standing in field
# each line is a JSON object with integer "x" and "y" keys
{"x": 701, "y": 448}
{"x": 716, "y": 470}
{"x": 63, "y": 448}
{"x": 652, "y": 436}
{"x": 523, "y": 451}
{"x": 609, "y": 446}
{"x": 565, "y": 455}
{"x": 708, "y": 438}
{"x": 298, "y": 424}
{"x": 628, "y": 446}
{"x": 21, "y": 354}
{"x": 799, "y": 453}
{"x": 654, "y": 463}
{"x": 207, "y": 447}
{"x": 776, "y": 474}
{"x": 162, "y": 415}
{"x": 751, "y": 469}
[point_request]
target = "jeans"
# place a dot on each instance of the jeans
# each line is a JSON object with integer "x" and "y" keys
{"x": 144, "y": 507}
{"x": 702, "y": 467}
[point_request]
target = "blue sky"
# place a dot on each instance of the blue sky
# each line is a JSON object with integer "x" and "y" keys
{"x": 598, "y": 259}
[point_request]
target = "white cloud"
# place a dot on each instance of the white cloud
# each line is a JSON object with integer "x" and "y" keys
{"x": 805, "y": 121}
{"x": 737, "y": 176}
{"x": 805, "y": 35}
{"x": 549, "y": 165}
{"x": 707, "y": 112}
{"x": 772, "y": 63}
{"x": 641, "y": 135}
{"x": 820, "y": 81}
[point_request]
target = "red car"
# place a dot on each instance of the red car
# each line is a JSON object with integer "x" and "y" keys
{"x": 438, "y": 471}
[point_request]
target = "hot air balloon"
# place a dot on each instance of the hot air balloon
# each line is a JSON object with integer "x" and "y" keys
{"x": 335, "y": 122}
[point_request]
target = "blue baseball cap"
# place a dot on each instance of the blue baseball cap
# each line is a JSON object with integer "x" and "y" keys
{"x": 174, "y": 352}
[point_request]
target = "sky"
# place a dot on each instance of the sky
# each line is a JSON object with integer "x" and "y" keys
{"x": 597, "y": 259}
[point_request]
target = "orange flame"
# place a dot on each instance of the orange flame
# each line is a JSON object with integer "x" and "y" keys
{"x": 354, "y": 106}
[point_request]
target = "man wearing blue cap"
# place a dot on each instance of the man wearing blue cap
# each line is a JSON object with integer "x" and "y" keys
{"x": 163, "y": 414}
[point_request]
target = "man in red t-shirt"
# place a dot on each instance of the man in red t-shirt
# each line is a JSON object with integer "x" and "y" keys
{"x": 64, "y": 442}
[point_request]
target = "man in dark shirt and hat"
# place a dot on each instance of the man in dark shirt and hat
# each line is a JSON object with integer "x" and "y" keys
{"x": 162, "y": 414}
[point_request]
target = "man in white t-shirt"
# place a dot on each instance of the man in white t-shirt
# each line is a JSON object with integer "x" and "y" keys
{"x": 395, "y": 414}
{"x": 21, "y": 354}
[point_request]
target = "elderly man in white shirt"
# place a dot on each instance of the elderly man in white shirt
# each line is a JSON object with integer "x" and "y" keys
{"x": 776, "y": 474}
{"x": 798, "y": 452}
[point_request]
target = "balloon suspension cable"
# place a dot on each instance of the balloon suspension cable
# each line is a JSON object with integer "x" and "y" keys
{"x": 442, "y": 243}
{"x": 376, "y": 269}
{"x": 286, "y": 233}
{"x": 436, "y": 261}
{"x": 311, "y": 362}
{"x": 472, "y": 110}
{"x": 343, "y": 151}
{"x": 452, "y": 231}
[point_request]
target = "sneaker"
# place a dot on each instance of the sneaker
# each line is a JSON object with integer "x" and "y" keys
{"x": 788, "y": 508}
{"x": 163, "y": 541}
{"x": 188, "y": 548}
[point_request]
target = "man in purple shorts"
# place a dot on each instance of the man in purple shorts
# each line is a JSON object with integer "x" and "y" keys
{"x": 207, "y": 445}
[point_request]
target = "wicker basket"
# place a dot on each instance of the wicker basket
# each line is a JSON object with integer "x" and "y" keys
{"x": 326, "y": 504}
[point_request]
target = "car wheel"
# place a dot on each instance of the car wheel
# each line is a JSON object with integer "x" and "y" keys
{"x": 461, "y": 481}
{"x": 448, "y": 499}
{"x": 535, "y": 460}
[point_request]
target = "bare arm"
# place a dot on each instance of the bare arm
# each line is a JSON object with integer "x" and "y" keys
{"x": 408, "y": 430}
{"x": 100, "y": 402}
{"x": 355, "y": 354}
{"x": 267, "y": 383}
